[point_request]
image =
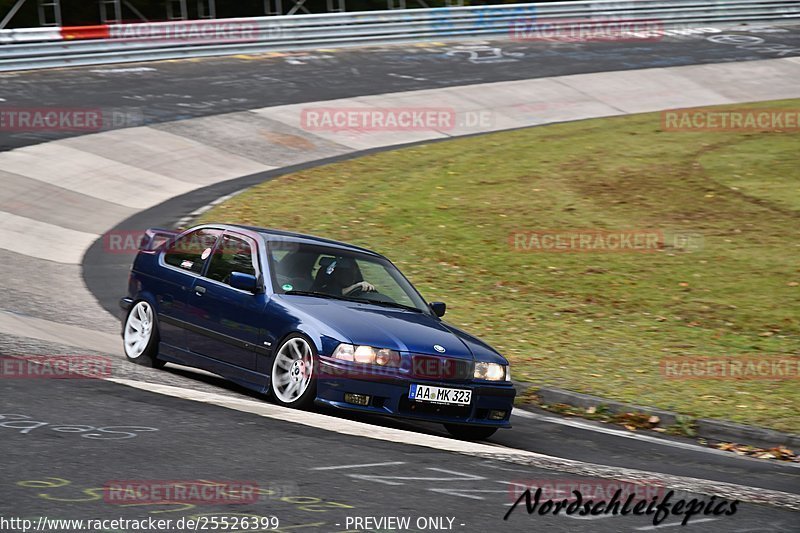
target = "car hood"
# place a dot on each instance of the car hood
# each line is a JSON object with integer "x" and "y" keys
{"x": 383, "y": 327}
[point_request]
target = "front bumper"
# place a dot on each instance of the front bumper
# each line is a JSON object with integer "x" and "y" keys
{"x": 125, "y": 304}
{"x": 389, "y": 397}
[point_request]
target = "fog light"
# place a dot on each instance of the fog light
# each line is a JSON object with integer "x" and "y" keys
{"x": 357, "y": 399}
{"x": 497, "y": 415}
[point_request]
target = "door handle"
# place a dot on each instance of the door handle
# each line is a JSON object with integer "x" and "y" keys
{"x": 200, "y": 290}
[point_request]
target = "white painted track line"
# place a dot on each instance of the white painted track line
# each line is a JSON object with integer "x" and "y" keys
{"x": 367, "y": 465}
{"x": 581, "y": 424}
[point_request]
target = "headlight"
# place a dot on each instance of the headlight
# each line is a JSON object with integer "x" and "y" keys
{"x": 492, "y": 372}
{"x": 367, "y": 355}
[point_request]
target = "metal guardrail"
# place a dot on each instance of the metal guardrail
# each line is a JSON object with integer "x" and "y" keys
{"x": 36, "y": 48}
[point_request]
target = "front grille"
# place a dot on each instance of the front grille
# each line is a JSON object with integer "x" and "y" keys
{"x": 440, "y": 368}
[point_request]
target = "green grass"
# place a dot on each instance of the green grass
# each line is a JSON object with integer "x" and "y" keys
{"x": 597, "y": 323}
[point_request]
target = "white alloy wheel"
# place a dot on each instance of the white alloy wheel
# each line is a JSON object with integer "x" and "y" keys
{"x": 138, "y": 330}
{"x": 292, "y": 370}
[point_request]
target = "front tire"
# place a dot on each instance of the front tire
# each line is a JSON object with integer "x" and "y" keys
{"x": 140, "y": 336}
{"x": 293, "y": 381}
{"x": 469, "y": 432}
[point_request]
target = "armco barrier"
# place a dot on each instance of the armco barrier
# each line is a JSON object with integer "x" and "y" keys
{"x": 34, "y": 48}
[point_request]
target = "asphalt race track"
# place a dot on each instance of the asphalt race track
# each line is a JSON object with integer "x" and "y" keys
{"x": 176, "y": 90}
{"x": 302, "y": 469}
{"x": 314, "y": 478}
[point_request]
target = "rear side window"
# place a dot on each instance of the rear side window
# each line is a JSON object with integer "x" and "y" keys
{"x": 234, "y": 254}
{"x": 191, "y": 251}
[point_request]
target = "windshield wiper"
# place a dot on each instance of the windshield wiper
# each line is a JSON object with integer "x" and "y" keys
{"x": 387, "y": 304}
{"x": 317, "y": 294}
{"x": 351, "y": 299}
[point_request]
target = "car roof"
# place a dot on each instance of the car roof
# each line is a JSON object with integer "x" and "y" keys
{"x": 289, "y": 236}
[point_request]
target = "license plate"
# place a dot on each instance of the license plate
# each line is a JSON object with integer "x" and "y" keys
{"x": 426, "y": 393}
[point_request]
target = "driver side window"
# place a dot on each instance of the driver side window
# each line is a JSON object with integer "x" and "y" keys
{"x": 233, "y": 254}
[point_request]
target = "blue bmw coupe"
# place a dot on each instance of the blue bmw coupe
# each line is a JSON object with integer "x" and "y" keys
{"x": 309, "y": 320}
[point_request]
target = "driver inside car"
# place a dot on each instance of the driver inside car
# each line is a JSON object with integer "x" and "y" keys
{"x": 339, "y": 276}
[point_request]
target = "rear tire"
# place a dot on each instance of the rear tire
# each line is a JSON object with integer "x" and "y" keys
{"x": 469, "y": 432}
{"x": 140, "y": 336}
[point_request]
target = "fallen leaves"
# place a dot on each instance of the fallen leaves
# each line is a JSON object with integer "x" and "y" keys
{"x": 634, "y": 421}
{"x": 780, "y": 453}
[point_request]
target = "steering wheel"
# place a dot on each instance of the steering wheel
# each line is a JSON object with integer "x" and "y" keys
{"x": 358, "y": 291}
{"x": 373, "y": 296}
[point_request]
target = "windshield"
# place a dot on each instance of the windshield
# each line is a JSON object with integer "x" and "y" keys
{"x": 326, "y": 271}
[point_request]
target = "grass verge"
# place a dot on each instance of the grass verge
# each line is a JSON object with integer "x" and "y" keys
{"x": 598, "y": 323}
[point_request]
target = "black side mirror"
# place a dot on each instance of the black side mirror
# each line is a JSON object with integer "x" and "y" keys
{"x": 438, "y": 308}
{"x": 244, "y": 282}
